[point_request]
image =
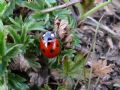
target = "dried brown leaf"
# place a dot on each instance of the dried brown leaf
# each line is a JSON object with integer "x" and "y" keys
{"x": 20, "y": 63}
{"x": 69, "y": 38}
{"x": 101, "y": 69}
{"x": 24, "y": 64}
{"x": 110, "y": 42}
{"x": 36, "y": 79}
{"x": 55, "y": 73}
{"x": 61, "y": 27}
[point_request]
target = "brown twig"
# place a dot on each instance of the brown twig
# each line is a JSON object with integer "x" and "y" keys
{"x": 60, "y": 6}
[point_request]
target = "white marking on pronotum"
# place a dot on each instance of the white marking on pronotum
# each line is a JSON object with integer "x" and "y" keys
{"x": 43, "y": 35}
{"x": 52, "y": 35}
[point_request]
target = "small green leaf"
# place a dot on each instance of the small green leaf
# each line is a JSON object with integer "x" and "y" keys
{"x": 34, "y": 25}
{"x": 73, "y": 22}
{"x": 15, "y": 35}
{"x": 2, "y": 43}
{"x": 78, "y": 68}
{"x": 16, "y": 82}
{"x": 1, "y": 25}
{"x": 9, "y": 8}
{"x": 2, "y": 7}
{"x": 68, "y": 52}
{"x": 67, "y": 65}
{"x": 66, "y": 0}
{"x": 2, "y": 69}
{"x": 47, "y": 18}
{"x": 12, "y": 52}
{"x": 34, "y": 65}
{"x": 15, "y": 23}
{"x": 49, "y": 2}
{"x": 23, "y": 35}
{"x": 62, "y": 13}
{"x": 34, "y": 5}
{"x": 46, "y": 87}
{"x": 61, "y": 88}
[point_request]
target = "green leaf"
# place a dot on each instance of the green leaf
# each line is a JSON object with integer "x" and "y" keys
{"x": 2, "y": 70}
{"x": 15, "y": 35}
{"x": 12, "y": 52}
{"x": 34, "y": 25}
{"x": 68, "y": 52}
{"x": 2, "y": 43}
{"x": 9, "y": 8}
{"x": 43, "y": 18}
{"x": 38, "y": 26}
{"x": 74, "y": 69}
{"x": 19, "y": 2}
{"x": 61, "y": 88}
{"x": 2, "y": 1}
{"x": 66, "y": 0}
{"x": 2, "y": 6}
{"x": 2, "y": 87}
{"x": 76, "y": 40}
{"x": 67, "y": 65}
{"x": 1, "y": 25}
{"x": 1, "y": 80}
{"x": 62, "y": 13}
{"x": 34, "y": 65}
{"x": 46, "y": 87}
{"x": 23, "y": 35}
{"x": 49, "y": 2}
{"x": 47, "y": 18}
{"x": 78, "y": 68}
{"x": 15, "y": 23}
{"x": 73, "y": 22}
{"x": 16, "y": 82}
{"x": 34, "y": 5}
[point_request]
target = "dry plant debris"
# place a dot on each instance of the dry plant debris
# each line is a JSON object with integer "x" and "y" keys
{"x": 61, "y": 26}
{"x": 101, "y": 69}
{"x": 64, "y": 32}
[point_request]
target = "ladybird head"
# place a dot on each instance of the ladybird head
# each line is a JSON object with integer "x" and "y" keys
{"x": 48, "y": 36}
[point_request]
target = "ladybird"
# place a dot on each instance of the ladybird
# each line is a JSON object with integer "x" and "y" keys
{"x": 49, "y": 45}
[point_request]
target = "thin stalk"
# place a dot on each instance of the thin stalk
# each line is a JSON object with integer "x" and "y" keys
{"x": 94, "y": 44}
{"x": 98, "y": 79}
{"x": 60, "y": 6}
{"x": 90, "y": 12}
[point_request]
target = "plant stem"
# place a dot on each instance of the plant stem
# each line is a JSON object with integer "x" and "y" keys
{"x": 90, "y": 78}
{"x": 94, "y": 44}
{"x": 84, "y": 16}
{"x": 98, "y": 79}
{"x": 60, "y": 6}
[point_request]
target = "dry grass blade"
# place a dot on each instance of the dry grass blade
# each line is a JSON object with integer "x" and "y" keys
{"x": 94, "y": 23}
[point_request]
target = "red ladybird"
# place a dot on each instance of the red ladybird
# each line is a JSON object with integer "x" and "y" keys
{"x": 49, "y": 45}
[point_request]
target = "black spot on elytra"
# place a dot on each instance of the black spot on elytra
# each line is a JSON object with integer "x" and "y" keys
{"x": 43, "y": 50}
{"x": 51, "y": 50}
{"x": 57, "y": 45}
{"x": 48, "y": 43}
